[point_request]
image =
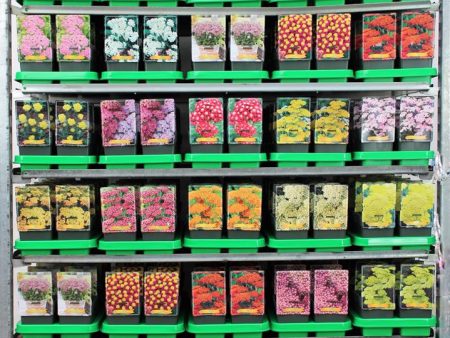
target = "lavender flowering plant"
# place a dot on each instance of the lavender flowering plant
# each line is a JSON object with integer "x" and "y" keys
{"x": 118, "y": 122}
{"x": 416, "y": 118}
{"x": 157, "y": 121}
{"x": 377, "y": 119}
{"x": 292, "y": 292}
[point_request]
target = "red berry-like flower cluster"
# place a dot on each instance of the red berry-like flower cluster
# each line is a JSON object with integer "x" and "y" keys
{"x": 295, "y": 36}
{"x": 207, "y": 112}
{"x": 245, "y": 114}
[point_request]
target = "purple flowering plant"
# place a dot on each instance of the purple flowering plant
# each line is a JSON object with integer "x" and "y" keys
{"x": 73, "y": 287}
{"x": 331, "y": 292}
{"x": 377, "y": 119}
{"x": 157, "y": 121}
{"x": 35, "y": 286}
{"x": 247, "y": 31}
{"x": 416, "y": 118}
{"x": 209, "y": 32}
{"x": 292, "y": 292}
{"x": 118, "y": 122}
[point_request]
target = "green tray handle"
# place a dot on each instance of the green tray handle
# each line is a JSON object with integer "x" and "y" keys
{"x": 308, "y": 243}
{"x": 393, "y": 322}
{"x": 310, "y": 157}
{"x": 139, "y": 245}
{"x": 310, "y": 326}
{"x": 224, "y": 243}
{"x": 403, "y": 72}
{"x": 227, "y": 327}
{"x": 227, "y": 74}
{"x": 141, "y": 75}
{"x": 312, "y": 74}
{"x": 140, "y": 159}
{"x": 143, "y": 328}
{"x": 225, "y": 157}
{"x": 54, "y": 159}
{"x": 393, "y": 155}
{"x": 392, "y": 241}
{"x": 56, "y": 244}
{"x": 56, "y": 328}
{"x": 56, "y": 76}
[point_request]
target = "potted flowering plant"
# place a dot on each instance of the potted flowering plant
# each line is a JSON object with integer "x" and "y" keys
{"x": 73, "y": 126}
{"x": 73, "y": 41}
{"x": 208, "y": 42}
{"x": 118, "y": 206}
{"x": 331, "y": 125}
{"x": 34, "y": 34}
{"x": 244, "y": 204}
{"x": 34, "y": 212}
{"x": 417, "y": 39}
{"x": 122, "y": 42}
{"x": 291, "y": 203}
{"x": 118, "y": 127}
{"x": 330, "y": 213}
{"x": 158, "y": 127}
{"x": 158, "y": 212}
{"x": 292, "y": 295}
{"x": 244, "y": 125}
{"x": 35, "y": 297}
{"x": 160, "y": 43}
{"x": 330, "y": 295}
{"x": 205, "y": 211}
{"x": 247, "y": 42}
{"x": 294, "y": 41}
{"x": 416, "y": 122}
{"x": 206, "y": 125}
{"x": 122, "y": 299}
{"x": 209, "y": 297}
{"x": 292, "y": 125}
{"x": 74, "y": 297}
{"x": 333, "y": 41}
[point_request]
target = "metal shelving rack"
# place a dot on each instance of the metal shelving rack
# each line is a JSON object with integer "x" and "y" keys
{"x": 7, "y": 176}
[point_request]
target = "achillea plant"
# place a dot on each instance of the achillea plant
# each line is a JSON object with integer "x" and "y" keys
{"x": 293, "y": 121}
{"x": 378, "y": 205}
{"x": 73, "y": 37}
{"x": 330, "y": 202}
{"x": 205, "y": 207}
{"x": 417, "y": 204}
{"x": 118, "y": 122}
{"x": 118, "y": 209}
{"x": 157, "y": 121}
{"x": 331, "y": 292}
{"x": 121, "y": 38}
{"x": 417, "y": 284}
{"x": 331, "y": 121}
{"x": 34, "y": 38}
{"x": 72, "y": 123}
{"x": 416, "y": 118}
{"x": 244, "y": 207}
{"x": 292, "y": 292}
{"x": 160, "y": 38}
{"x": 377, "y": 119}
{"x": 158, "y": 208}
{"x": 378, "y": 287}
{"x": 291, "y": 207}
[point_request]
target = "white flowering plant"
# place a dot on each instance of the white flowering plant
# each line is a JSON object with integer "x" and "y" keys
{"x": 160, "y": 38}
{"x": 121, "y": 38}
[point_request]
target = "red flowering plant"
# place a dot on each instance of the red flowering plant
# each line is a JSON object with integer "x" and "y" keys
{"x": 118, "y": 122}
{"x": 245, "y": 121}
{"x": 331, "y": 292}
{"x": 206, "y": 121}
{"x": 417, "y": 35}
{"x": 208, "y": 293}
{"x": 161, "y": 291}
{"x": 158, "y": 208}
{"x": 379, "y": 36}
{"x": 122, "y": 293}
{"x": 295, "y": 37}
{"x": 247, "y": 292}
{"x": 333, "y": 36}
{"x": 118, "y": 209}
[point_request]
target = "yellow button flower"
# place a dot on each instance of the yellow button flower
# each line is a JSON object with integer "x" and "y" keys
{"x": 61, "y": 118}
{"x": 77, "y": 107}
{"x": 37, "y": 107}
{"x": 26, "y": 107}
{"x": 82, "y": 125}
{"x": 33, "y": 130}
{"x": 41, "y": 116}
{"x": 32, "y": 122}
{"x": 67, "y": 107}
{"x": 70, "y": 137}
{"x": 31, "y": 137}
{"x": 43, "y": 124}
{"x": 72, "y": 130}
{"x": 80, "y": 116}
{"x": 22, "y": 118}
{"x": 71, "y": 122}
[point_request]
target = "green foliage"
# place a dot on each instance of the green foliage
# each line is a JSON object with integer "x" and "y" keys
{"x": 416, "y": 290}
{"x": 378, "y": 287}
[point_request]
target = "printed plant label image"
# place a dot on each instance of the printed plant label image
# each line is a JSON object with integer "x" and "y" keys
{"x": 118, "y": 209}
{"x": 73, "y": 207}
{"x": 330, "y": 203}
{"x": 333, "y": 36}
{"x": 417, "y": 35}
{"x": 72, "y": 123}
{"x": 161, "y": 292}
{"x": 332, "y": 121}
{"x": 206, "y": 121}
{"x": 295, "y": 37}
{"x": 73, "y": 37}
{"x": 122, "y": 38}
{"x": 417, "y": 204}
{"x": 205, "y": 207}
{"x": 122, "y": 293}
{"x": 35, "y": 293}
{"x": 378, "y": 287}
{"x": 244, "y": 207}
{"x": 293, "y": 121}
{"x": 247, "y": 38}
{"x": 417, "y": 284}
{"x": 416, "y": 118}
{"x": 158, "y": 208}
{"x": 74, "y": 293}
{"x": 160, "y": 39}
{"x": 208, "y": 293}
{"x": 208, "y": 38}
{"x": 292, "y": 292}
{"x": 118, "y": 123}
{"x": 33, "y": 208}
{"x": 33, "y": 123}
{"x": 378, "y": 119}
{"x": 331, "y": 292}
{"x": 291, "y": 207}
{"x": 157, "y": 119}
{"x": 34, "y": 38}
{"x": 245, "y": 121}
{"x": 378, "y": 205}
{"x": 247, "y": 292}
{"x": 379, "y": 36}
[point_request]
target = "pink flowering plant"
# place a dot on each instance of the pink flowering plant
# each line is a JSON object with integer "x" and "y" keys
{"x": 377, "y": 119}
{"x": 34, "y": 38}
{"x": 118, "y": 122}
{"x": 247, "y": 38}
{"x": 157, "y": 121}
{"x": 72, "y": 287}
{"x": 209, "y": 32}
{"x": 208, "y": 38}
{"x": 292, "y": 292}
{"x": 158, "y": 208}
{"x": 35, "y": 293}
{"x": 416, "y": 118}
{"x": 331, "y": 292}
{"x": 118, "y": 209}
{"x": 245, "y": 121}
{"x": 206, "y": 121}
{"x": 73, "y": 37}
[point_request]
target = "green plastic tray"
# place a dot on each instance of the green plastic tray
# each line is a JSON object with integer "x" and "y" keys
{"x": 295, "y": 76}
{"x": 236, "y": 160}
{"x": 199, "y": 246}
{"x": 325, "y": 329}
{"x": 165, "y": 161}
{"x": 52, "y": 2}
{"x": 37, "y": 162}
{"x": 388, "y": 243}
{"x": 220, "y": 3}
{"x": 236, "y": 76}
{"x": 55, "y": 77}
{"x": 316, "y": 244}
{"x": 376, "y": 1}
{"x": 253, "y": 330}
{"x": 296, "y": 160}
{"x": 384, "y": 327}
{"x": 329, "y": 2}
{"x": 118, "y": 3}
{"x": 147, "y": 76}
{"x": 290, "y": 3}
{"x": 64, "y": 247}
{"x": 404, "y": 74}
{"x": 131, "y": 247}
{"x": 383, "y": 158}
{"x": 162, "y": 3}
{"x": 148, "y": 330}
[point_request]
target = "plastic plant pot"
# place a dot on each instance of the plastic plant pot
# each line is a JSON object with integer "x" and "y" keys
{"x": 297, "y": 54}
{"x": 206, "y": 131}
{"x": 33, "y": 210}
{"x": 330, "y": 213}
{"x": 158, "y": 211}
{"x": 293, "y": 296}
{"x": 119, "y": 127}
{"x": 244, "y": 125}
{"x": 244, "y": 204}
{"x": 330, "y": 295}
{"x": 73, "y": 42}
{"x": 34, "y": 34}
{"x": 292, "y": 125}
{"x": 209, "y": 297}
{"x": 123, "y": 226}
{"x": 120, "y": 308}
{"x": 416, "y": 296}
{"x": 208, "y": 42}
{"x": 331, "y": 125}
{"x": 205, "y": 211}
{"x": 121, "y": 42}
{"x": 242, "y": 283}
{"x": 417, "y": 39}
{"x": 247, "y": 42}
{"x": 291, "y": 211}
{"x": 333, "y": 50}
{"x": 33, "y": 127}
{"x": 160, "y": 44}
{"x": 35, "y": 291}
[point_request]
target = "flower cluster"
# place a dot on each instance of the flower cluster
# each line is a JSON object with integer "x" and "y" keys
{"x": 158, "y": 208}
{"x": 293, "y": 121}
{"x": 332, "y": 121}
{"x": 73, "y": 286}
{"x": 206, "y": 121}
{"x": 205, "y": 207}
{"x": 417, "y": 204}
{"x": 157, "y": 121}
{"x": 160, "y": 39}
{"x": 416, "y": 118}
{"x": 33, "y": 123}
{"x": 121, "y": 38}
{"x": 295, "y": 37}
{"x": 417, "y": 35}
{"x": 73, "y": 203}
{"x": 161, "y": 290}
{"x": 118, "y": 209}
{"x": 247, "y": 292}
{"x": 118, "y": 123}
{"x": 208, "y": 293}
{"x": 379, "y": 36}
{"x": 331, "y": 292}
{"x": 35, "y": 286}
{"x": 34, "y": 36}
{"x": 378, "y": 205}
{"x": 72, "y": 123}
{"x": 246, "y": 31}
{"x": 73, "y": 37}
{"x": 378, "y": 287}
{"x": 417, "y": 285}
{"x": 244, "y": 207}
{"x": 33, "y": 208}
{"x": 292, "y": 292}
{"x": 333, "y": 36}
{"x": 245, "y": 121}
{"x": 209, "y": 31}
{"x": 122, "y": 293}
{"x": 330, "y": 203}
{"x": 377, "y": 119}
{"x": 291, "y": 207}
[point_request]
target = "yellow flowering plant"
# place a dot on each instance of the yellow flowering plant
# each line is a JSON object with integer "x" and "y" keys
{"x": 331, "y": 121}
{"x": 73, "y": 207}
{"x": 33, "y": 208}
{"x": 330, "y": 206}
{"x": 291, "y": 207}
{"x": 72, "y": 123}
{"x": 33, "y": 123}
{"x": 417, "y": 204}
{"x": 378, "y": 205}
{"x": 293, "y": 121}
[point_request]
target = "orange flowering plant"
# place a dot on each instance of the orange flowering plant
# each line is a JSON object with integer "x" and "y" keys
{"x": 378, "y": 38}
{"x": 294, "y": 37}
{"x": 247, "y": 292}
{"x": 208, "y": 293}
{"x": 333, "y": 36}
{"x": 244, "y": 207}
{"x": 205, "y": 207}
{"x": 417, "y": 35}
